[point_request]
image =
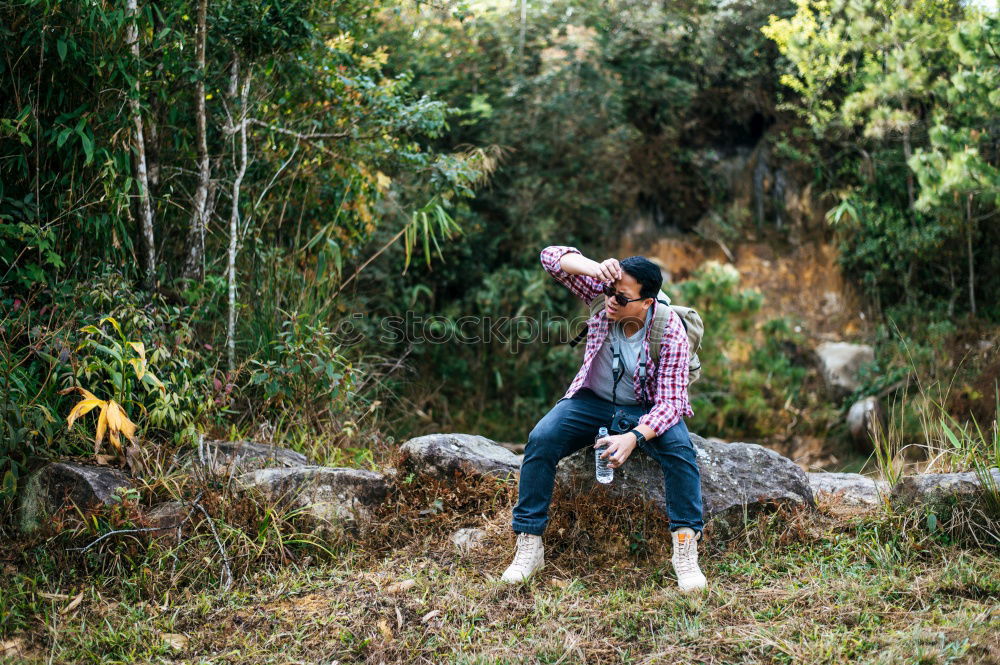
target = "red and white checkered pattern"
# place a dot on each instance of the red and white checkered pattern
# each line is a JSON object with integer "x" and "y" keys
{"x": 670, "y": 396}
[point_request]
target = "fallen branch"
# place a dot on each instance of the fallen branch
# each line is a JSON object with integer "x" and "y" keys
{"x": 145, "y": 529}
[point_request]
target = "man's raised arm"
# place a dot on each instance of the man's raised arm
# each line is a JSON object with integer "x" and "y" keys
{"x": 582, "y": 276}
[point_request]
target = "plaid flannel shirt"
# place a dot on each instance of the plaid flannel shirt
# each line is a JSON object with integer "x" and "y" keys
{"x": 669, "y": 394}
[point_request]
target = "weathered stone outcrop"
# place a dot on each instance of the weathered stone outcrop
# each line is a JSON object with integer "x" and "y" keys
{"x": 223, "y": 458}
{"x": 852, "y": 489}
{"x": 444, "y": 455}
{"x": 839, "y": 363}
{"x": 64, "y": 484}
{"x": 864, "y": 421}
{"x": 326, "y": 494}
{"x": 734, "y": 477}
{"x": 931, "y": 488}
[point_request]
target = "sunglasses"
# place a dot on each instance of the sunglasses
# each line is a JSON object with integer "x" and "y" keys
{"x": 621, "y": 299}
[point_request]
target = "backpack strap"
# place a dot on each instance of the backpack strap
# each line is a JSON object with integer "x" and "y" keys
{"x": 660, "y": 319}
{"x": 595, "y": 306}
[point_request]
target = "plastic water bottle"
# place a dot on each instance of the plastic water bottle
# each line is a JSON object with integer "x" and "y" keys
{"x": 605, "y": 474}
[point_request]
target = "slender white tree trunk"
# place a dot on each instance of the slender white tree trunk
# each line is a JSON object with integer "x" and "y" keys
{"x": 194, "y": 265}
{"x": 234, "y": 217}
{"x": 142, "y": 177}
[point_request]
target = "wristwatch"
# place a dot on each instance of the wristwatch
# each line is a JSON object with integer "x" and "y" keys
{"x": 639, "y": 436}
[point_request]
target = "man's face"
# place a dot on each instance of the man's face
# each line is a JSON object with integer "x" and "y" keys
{"x": 628, "y": 287}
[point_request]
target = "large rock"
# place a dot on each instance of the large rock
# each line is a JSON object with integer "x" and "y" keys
{"x": 63, "y": 484}
{"x": 852, "y": 489}
{"x": 839, "y": 362}
{"x": 734, "y": 477}
{"x": 326, "y": 494}
{"x": 864, "y": 420}
{"x": 931, "y": 488}
{"x": 223, "y": 458}
{"x": 444, "y": 455}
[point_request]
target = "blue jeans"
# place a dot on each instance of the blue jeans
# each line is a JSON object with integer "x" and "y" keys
{"x": 571, "y": 425}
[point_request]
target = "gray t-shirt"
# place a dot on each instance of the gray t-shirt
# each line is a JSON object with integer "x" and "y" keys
{"x": 601, "y": 379}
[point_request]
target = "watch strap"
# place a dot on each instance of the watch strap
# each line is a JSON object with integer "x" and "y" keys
{"x": 639, "y": 436}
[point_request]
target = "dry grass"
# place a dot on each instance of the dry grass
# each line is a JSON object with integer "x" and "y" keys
{"x": 790, "y": 587}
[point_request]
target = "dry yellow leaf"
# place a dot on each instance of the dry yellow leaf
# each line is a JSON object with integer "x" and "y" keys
{"x": 400, "y": 587}
{"x": 73, "y": 604}
{"x": 12, "y": 648}
{"x": 385, "y": 629}
{"x": 82, "y": 407}
{"x": 111, "y": 421}
{"x": 175, "y": 641}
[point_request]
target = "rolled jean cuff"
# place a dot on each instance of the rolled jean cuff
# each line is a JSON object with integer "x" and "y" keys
{"x": 533, "y": 528}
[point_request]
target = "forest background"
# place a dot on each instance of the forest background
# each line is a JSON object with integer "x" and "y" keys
{"x": 213, "y": 192}
{"x": 217, "y": 215}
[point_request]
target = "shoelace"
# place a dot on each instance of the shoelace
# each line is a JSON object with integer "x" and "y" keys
{"x": 525, "y": 551}
{"x": 687, "y": 556}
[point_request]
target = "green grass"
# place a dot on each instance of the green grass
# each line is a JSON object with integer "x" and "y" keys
{"x": 790, "y": 587}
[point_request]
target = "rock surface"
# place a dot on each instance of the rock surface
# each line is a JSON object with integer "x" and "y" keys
{"x": 468, "y": 539}
{"x": 851, "y": 488}
{"x": 929, "y": 488}
{"x": 223, "y": 458}
{"x": 62, "y": 483}
{"x": 864, "y": 419}
{"x": 326, "y": 494}
{"x": 839, "y": 363}
{"x": 734, "y": 476}
{"x": 444, "y": 455}
{"x": 166, "y": 517}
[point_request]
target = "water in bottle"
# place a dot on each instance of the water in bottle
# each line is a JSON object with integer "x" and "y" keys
{"x": 605, "y": 474}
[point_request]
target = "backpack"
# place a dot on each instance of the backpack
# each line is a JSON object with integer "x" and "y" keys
{"x": 693, "y": 325}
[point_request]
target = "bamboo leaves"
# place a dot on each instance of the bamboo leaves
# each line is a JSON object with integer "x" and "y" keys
{"x": 426, "y": 225}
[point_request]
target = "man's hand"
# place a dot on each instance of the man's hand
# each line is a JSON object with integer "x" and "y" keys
{"x": 620, "y": 446}
{"x": 608, "y": 270}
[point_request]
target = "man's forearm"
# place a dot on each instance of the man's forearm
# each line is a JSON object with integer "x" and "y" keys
{"x": 578, "y": 264}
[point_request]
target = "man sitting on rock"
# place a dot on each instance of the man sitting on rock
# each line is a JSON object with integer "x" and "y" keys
{"x": 658, "y": 403}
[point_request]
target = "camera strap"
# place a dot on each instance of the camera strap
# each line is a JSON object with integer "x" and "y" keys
{"x": 618, "y": 368}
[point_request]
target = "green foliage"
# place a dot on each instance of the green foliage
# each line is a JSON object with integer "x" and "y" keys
{"x": 910, "y": 89}
{"x": 960, "y": 159}
{"x": 303, "y": 369}
{"x": 754, "y": 378}
{"x": 29, "y": 418}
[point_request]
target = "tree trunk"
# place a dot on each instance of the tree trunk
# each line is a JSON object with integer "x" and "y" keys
{"x": 145, "y": 207}
{"x": 234, "y": 217}
{"x": 520, "y": 39}
{"x": 970, "y": 231}
{"x": 907, "y": 153}
{"x": 194, "y": 265}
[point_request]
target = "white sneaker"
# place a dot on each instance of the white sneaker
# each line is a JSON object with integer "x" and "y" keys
{"x": 530, "y": 556}
{"x": 685, "y": 560}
